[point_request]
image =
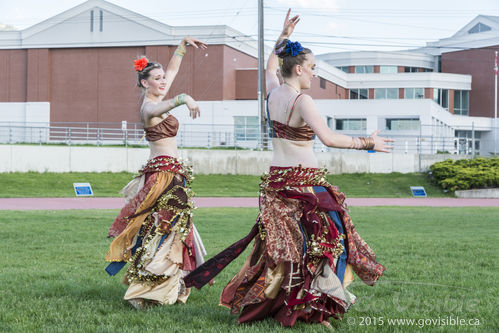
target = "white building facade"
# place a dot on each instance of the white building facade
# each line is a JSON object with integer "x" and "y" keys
{"x": 407, "y": 95}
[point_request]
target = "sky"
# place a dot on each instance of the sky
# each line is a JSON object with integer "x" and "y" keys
{"x": 325, "y": 26}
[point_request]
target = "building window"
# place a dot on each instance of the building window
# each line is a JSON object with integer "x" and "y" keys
{"x": 414, "y": 93}
{"x": 351, "y": 124}
{"x": 364, "y": 69}
{"x": 401, "y": 124}
{"x": 246, "y": 128}
{"x": 101, "y": 20}
{"x": 344, "y": 68}
{"x": 359, "y": 94}
{"x": 461, "y": 102}
{"x": 386, "y": 93}
{"x": 91, "y": 21}
{"x": 388, "y": 69}
{"x": 330, "y": 122}
{"x": 467, "y": 134}
{"x": 411, "y": 69}
{"x": 479, "y": 27}
{"x": 427, "y": 70}
{"x": 322, "y": 83}
{"x": 441, "y": 97}
{"x": 464, "y": 141}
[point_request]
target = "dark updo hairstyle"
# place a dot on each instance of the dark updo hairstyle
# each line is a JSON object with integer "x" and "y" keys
{"x": 144, "y": 73}
{"x": 286, "y": 61}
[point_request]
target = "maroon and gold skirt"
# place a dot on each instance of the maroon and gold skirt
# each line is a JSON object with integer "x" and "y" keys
{"x": 154, "y": 233}
{"x": 305, "y": 251}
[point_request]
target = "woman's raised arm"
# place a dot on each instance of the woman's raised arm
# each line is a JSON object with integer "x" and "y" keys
{"x": 176, "y": 59}
{"x": 271, "y": 79}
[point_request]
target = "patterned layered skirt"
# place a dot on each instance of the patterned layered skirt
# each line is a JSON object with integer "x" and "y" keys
{"x": 155, "y": 234}
{"x": 305, "y": 252}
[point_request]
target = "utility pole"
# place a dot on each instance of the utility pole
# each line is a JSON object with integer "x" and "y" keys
{"x": 261, "y": 77}
{"x": 496, "y": 69}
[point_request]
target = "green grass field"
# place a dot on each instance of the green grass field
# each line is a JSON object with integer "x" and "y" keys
{"x": 106, "y": 184}
{"x": 440, "y": 262}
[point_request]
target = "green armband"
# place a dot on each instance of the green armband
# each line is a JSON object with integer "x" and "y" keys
{"x": 179, "y": 100}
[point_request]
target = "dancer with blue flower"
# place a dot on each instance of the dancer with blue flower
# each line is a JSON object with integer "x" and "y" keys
{"x": 306, "y": 248}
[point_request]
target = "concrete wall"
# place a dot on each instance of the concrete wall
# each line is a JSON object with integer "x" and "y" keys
{"x": 484, "y": 193}
{"x": 23, "y": 158}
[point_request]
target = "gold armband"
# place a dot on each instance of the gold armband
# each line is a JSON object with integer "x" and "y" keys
{"x": 180, "y": 51}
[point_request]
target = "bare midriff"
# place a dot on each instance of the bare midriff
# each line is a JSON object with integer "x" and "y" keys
{"x": 289, "y": 153}
{"x": 166, "y": 146}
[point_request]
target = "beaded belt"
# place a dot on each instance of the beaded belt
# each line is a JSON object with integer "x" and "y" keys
{"x": 279, "y": 178}
{"x": 167, "y": 164}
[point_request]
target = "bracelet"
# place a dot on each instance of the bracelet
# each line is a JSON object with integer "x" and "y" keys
{"x": 179, "y": 100}
{"x": 355, "y": 143}
{"x": 362, "y": 143}
{"x": 280, "y": 46}
{"x": 180, "y": 51}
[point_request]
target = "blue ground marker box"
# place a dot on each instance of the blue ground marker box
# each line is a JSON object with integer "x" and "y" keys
{"x": 83, "y": 189}
{"x": 418, "y": 191}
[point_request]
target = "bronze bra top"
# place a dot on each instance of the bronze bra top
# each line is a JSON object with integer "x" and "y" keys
{"x": 284, "y": 131}
{"x": 167, "y": 128}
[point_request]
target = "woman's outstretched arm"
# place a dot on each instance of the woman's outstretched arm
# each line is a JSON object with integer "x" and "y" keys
{"x": 308, "y": 111}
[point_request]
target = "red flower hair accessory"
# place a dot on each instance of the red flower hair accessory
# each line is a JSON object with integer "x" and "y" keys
{"x": 140, "y": 64}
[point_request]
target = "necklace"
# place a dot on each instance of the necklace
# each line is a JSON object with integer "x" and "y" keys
{"x": 296, "y": 90}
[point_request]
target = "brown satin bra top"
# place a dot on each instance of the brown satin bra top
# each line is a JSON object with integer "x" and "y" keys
{"x": 167, "y": 128}
{"x": 284, "y": 131}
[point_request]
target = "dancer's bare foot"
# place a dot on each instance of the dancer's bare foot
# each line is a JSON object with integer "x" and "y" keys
{"x": 152, "y": 303}
{"x": 137, "y": 303}
{"x": 327, "y": 324}
{"x": 212, "y": 282}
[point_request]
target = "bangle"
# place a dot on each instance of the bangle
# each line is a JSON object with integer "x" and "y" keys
{"x": 371, "y": 143}
{"x": 179, "y": 100}
{"x": 180, "y": 51}
{"x": 280, "y": 46}
{"x": 362, "y": 143}
{"x": 355, "y": 143}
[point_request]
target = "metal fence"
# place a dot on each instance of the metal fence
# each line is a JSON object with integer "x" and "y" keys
{"x": 425, "y": 140}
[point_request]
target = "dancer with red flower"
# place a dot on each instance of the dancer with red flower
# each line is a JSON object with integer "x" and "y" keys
{"x": 306, "y": 248}
{"x": 154, "y": 231}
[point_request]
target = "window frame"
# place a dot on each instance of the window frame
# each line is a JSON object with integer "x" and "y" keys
{"x": 388, "y": 124}
{"x": 350, "y": 121}
{"x": 246, "y": 131}
{"x": 395, "y": 92}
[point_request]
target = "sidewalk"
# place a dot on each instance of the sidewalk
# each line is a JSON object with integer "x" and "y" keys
{"x": 117, "y": 203}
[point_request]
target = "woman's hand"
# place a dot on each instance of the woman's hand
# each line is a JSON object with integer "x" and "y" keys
{"x": 194, "y": 42}
{"x": 380, "y": 143}
{"x": 193, "y": 107}
{"x": 289, "y": 25}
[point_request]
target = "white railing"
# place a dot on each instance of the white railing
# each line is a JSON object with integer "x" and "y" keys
{"x": 231, "y": 137}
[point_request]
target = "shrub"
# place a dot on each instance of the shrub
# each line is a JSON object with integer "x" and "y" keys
{"x": 466, "y": 174}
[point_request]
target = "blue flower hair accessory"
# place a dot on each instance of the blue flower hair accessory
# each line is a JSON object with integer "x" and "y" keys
{"x": 293, "y": 48}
